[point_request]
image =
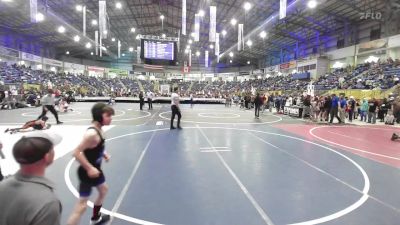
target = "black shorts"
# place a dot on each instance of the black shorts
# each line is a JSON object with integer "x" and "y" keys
{"x": 86, "y": 183}
{"x": 37, "y": 127}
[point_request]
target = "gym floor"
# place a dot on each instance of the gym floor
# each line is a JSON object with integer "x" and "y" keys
{"x": 226, "y": 167}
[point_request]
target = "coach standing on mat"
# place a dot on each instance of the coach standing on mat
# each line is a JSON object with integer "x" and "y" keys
{"x": 150, "y": 97}
{"x": 257, "y": 105}
{"x": 141, "y": 100}
{"x": 48, "y": 103}
{"x": 175, "y": 108}
{"x": 28, "y": 197}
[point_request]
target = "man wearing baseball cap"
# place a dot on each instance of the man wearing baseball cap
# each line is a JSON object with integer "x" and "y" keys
{"x": 28, "y": 197}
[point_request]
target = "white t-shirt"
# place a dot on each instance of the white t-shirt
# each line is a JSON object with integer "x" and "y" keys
{"x": 174, "y": 99}
{"x": 150, "y": 95}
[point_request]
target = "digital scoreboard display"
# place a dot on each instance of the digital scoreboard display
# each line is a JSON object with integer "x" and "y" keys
{"x": 158, "y": 50}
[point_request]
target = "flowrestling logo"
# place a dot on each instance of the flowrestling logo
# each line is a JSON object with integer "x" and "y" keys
{"x": 371, "y": 16}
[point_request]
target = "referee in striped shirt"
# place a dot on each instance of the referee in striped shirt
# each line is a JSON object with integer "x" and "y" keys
{"x": 48, "y": 102}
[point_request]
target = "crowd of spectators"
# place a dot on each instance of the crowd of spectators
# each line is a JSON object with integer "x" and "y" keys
{"x": 379, "y": 75}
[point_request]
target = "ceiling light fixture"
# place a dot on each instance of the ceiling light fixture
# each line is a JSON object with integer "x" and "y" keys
{"x": 312, "y": 4}
{"x": 201, "y": 13}
{"x": 77, "y": 38}
{"x": 247, "y": 6}
{"x": 78, "y": 8}
{"x": 233, "y": 21}
{"x": 249, "y": 43}
{"x": 223, "y": 32}
{"x": 39, "y": 17}
{"x": 61, "y": 29}
{"x": 263, "y": 34}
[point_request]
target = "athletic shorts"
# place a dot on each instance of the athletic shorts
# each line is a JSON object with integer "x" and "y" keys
{"x": 86, "y": 183}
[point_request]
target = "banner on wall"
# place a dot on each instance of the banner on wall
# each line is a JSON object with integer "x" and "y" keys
{"x": 206, "y": 58}
{"x": 196, "y": 27}
{"x": 213, "y": 23}
{"x": 33, "y": 10}
{"x": 9, "y": 52}
{"x": 257, "y": 72}
{"x": 96, "y": 69}
{"x": 119, "y": 72}
{"x": 103, "y": 19}
{"x": 74, "y": 66}
{"x": 282, "y": 9}
{"x": 289, "y": 65}
{"x": 372, "y": 45}
{"x": 52, "y": 62}
{"x": 183, "y": 17}
{"x": 31, "y": 57}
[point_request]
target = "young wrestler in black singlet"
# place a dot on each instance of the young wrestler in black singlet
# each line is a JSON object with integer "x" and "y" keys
{"x": 90, "y": 154}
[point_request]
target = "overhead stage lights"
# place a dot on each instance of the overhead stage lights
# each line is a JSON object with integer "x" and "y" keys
{"x": 88, "y": 45}
{"x": 123, "y": 54}
{"x": 201, "y": 13}
{"x": 131, "y": 49}
{"x": 190, "y": 41}
{"x": 233, "y": 21}
{"x": 163, "y": 35}
{"x": 61, "y": 29}
{"x": 312, "y": 4}
{"x": 231, "y": 54}
{"x": 94, "y": 22}
{"x": 248, "y": 62}
{"x": 91, "y": 53}
{"x": 105, "y": 32}
{"x": 230, "y": 61}
{"x": 162, "y": 17}
{"x": 263, "y": 34}
{"x": 67, "y": 53}
{"x": 112, "y": 39}
{"x": 133, "y": 30}
{"x": 223, "y": 32}
{"x": 247, "y": 6}
{"x": 137, "y": 37}
{"x": 186, "y": 51}
{"x": 211, "y": 46}
{"x": 39, "y": 17}
{"x": 193, "y": 35}
{"x": 197, "y": 53}
{"x": 79, "y": 8}
{"x": 118, "y": 5}
{"x": 77, "y": 38}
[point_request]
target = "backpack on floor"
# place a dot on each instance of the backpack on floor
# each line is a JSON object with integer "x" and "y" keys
{"x": 389, "y": 119}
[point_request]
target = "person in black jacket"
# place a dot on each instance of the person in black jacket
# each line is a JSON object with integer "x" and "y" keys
{"x": 352, "y": 107}
{"x": 141, "y": 100}
{"x": 327, "y": 107}
{"x": 257, "y": 105}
